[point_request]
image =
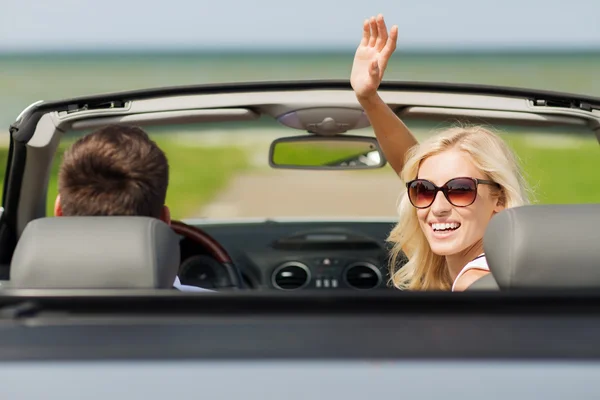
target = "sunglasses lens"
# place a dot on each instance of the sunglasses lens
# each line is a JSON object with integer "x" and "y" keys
{"x": 461, "y": 192}
{"x": 421, "y": 193}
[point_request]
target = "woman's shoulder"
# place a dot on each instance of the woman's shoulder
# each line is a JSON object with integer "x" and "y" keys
{"x": 478, "y": 263}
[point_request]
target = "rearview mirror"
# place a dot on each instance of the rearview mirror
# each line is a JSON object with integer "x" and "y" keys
{"x": 326, "y": 153}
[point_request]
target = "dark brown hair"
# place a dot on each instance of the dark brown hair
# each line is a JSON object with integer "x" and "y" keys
{"x": 115, "y": 170}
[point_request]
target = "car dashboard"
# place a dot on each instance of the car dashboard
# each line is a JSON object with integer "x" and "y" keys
{"x": 292, "y": 255}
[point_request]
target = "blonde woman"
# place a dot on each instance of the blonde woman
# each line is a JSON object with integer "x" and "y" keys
{"x": 455, "y": 181}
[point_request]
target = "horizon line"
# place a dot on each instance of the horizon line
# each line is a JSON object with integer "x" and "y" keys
{"x": 300, "y": 50}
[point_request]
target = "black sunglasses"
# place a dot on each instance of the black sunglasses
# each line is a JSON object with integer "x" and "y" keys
{"x": 460, "y": 192}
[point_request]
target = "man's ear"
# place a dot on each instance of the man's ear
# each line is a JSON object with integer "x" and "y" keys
{"x": 57, "y": 207}
{"x": 165, "y": 215}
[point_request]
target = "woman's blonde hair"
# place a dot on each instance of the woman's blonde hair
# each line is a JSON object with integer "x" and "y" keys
{"x": 425, "y": 270}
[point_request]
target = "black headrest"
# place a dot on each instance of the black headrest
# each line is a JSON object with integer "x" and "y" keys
{"x": 95, "y": 252}
{"x": 545, "y": 246}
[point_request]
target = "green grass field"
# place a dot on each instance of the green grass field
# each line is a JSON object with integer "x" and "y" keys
{"x": 559, "y": 169}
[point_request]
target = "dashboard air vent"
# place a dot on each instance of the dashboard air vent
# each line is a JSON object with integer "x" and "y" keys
{"x": 291, "y": 276}
{"x": 362, "y": 276}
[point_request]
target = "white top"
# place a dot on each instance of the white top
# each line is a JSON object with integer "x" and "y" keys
{"x": 187, "y": 288}
{"x": 479, "y": 262}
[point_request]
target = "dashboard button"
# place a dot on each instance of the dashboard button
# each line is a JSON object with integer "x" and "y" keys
{"x": 318, "y": 283}
{"x": 326, "y": 283}
{"x": 334, "y": 283}
{"x": 327, "y": 261}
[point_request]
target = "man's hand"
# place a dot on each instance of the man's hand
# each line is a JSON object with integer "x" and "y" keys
{"x": 372, "y": 56}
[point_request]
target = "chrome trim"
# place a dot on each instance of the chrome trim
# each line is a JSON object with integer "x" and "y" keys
{"x": 362, "y": 264}
{"x": 291, "y": 264}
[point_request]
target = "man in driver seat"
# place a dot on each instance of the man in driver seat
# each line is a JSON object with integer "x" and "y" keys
{"x": 116, "y": 170}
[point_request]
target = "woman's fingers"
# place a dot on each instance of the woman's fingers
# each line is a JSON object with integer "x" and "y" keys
{"x": 390, "y": 45}
{"x": 374, "y": 32}
{"x": 366, "y": 33}
{"x": 382, "y": 35}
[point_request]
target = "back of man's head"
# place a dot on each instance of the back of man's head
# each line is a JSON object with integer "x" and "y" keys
{"x": 115, "y": 170}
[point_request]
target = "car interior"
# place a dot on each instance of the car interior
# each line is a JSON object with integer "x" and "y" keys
{"x": 526, "y": 247}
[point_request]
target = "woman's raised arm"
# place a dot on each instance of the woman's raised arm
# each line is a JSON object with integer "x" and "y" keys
{"x": 370, "y": 62}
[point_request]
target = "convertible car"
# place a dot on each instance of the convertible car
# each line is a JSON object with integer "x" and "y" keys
{"x": 306, "y": 282}
{"x": 324, "y": 137}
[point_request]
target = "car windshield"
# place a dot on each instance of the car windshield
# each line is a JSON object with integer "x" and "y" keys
{"x": 221, "y": 171}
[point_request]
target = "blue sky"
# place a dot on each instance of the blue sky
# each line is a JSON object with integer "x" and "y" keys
{"x": 33, "y": 25}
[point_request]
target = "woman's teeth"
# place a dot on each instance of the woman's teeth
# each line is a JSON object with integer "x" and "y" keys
{"x": 446, "y": 226}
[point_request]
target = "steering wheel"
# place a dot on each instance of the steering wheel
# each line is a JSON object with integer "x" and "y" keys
{"x": 214, "y": 249}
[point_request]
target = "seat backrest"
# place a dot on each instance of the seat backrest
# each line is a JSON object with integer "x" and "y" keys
{"x": 545, "y": 246}
{"x": 95, "y": 253}
{"x": 486, "y": 282}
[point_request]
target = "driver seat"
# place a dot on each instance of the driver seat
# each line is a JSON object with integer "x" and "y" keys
{"x": 98, "y": 252}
